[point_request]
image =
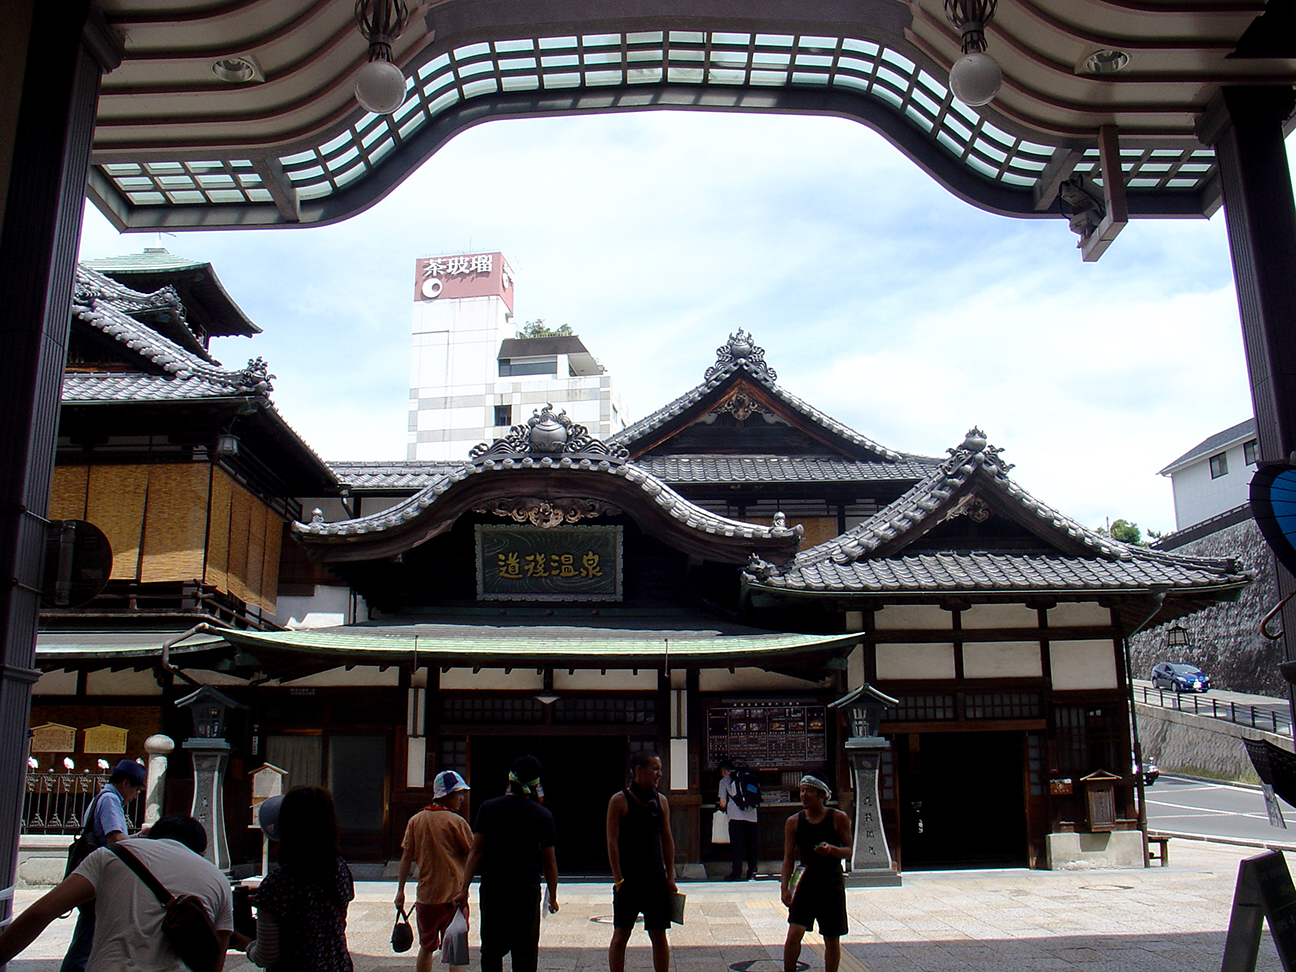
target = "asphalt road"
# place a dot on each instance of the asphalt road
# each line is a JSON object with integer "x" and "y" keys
{"x": 1177, "y": 805}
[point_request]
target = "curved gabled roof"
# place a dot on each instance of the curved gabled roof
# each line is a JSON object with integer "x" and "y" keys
{"x": 872, "y": 557}
{"x": 433, "y": 509}
{"x": 741, "y": 358}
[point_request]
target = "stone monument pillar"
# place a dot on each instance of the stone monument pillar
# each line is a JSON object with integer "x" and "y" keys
{"x": 158, "y": 747}
{"x": 210, "y": 753}
{"x": 870, "y": 857}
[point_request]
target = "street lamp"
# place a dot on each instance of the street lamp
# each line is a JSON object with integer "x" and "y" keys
{"x": 1177, "y": 637}
{"x": 976, "y": 76}
{"x": 380, "y": 85}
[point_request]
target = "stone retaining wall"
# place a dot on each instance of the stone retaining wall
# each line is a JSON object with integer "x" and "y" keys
{"x": 1179, "y": 742}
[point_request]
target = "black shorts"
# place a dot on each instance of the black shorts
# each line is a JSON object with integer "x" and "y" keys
{"x": 822, "y": 900}
{"x": 648, "y": 896}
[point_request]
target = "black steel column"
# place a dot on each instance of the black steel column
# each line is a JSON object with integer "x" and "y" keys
{"x": 1245, "y": 125}
{"x": 47, "y": 161}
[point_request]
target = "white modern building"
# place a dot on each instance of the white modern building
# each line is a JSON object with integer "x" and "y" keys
{"x": 471, "y": 378}
{"x": 1214, "y": 476}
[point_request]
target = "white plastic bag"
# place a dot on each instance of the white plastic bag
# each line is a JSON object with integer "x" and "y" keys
{"x": 720, "y": 827}
{"x": 454, "y": 946}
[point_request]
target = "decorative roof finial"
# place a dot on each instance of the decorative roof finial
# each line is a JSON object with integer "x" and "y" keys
{"x": 740, "y": 351}
{"x": 548, "y": 433}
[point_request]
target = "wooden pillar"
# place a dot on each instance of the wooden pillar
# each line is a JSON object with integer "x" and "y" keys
{"x": 1245, "y": 125}
{"x": 51, "y": 60}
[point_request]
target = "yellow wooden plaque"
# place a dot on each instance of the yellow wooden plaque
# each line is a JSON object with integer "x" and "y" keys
{"x": 105, "y": 739}
{"x": 53, "y": 738}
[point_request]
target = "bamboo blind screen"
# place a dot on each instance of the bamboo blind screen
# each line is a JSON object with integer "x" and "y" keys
{"x": 175, "y": 523}
{"x": 68, "y": 493}
{"x": 190, "y": 521}
{"x": 218, "y": 543}
{"x": 115, "y": 504}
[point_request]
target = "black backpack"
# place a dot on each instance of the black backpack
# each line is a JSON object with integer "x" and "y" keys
{"x": 747, "y": 791}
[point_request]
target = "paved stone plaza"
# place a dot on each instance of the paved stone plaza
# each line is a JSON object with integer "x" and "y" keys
{"x": 1156, "y": 920}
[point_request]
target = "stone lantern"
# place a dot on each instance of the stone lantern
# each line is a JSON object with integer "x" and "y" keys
{"x": 210, "y": 752}
{"x": 870, "y": 857}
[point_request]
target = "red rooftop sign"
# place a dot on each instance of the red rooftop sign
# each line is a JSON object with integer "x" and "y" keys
{"x": 463, "y": 275}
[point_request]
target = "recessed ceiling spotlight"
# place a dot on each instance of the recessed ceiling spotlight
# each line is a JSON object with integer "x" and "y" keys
{"x": 237, "y": 70}
{"x": 1105, "y": 62}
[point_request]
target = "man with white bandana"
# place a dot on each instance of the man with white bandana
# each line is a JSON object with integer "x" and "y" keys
{"x": 513, "y": 842}
{"x": 822, "y": 837}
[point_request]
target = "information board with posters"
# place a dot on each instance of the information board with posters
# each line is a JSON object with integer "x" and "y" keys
{"x": 767, "y": 734}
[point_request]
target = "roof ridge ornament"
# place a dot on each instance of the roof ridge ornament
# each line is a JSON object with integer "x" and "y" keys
{"x": 740, "y": 351}
{"x": 548, "y": 434}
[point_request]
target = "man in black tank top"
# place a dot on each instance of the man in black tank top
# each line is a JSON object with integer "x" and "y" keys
{"x": 821, "y": 836}
{"x": 642, "y": 854}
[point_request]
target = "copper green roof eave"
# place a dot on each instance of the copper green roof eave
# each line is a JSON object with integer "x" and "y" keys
{"x": 603, "y": 651}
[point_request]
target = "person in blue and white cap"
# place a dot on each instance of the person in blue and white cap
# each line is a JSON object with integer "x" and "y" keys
{"x": 105, "y": 823}
{"x": 437, "y": 839}
{"x": 822, "y": 838}
{"x": 513, "y": 844}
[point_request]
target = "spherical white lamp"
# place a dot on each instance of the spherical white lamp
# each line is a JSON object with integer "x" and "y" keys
{"x": 975, "y": 79}
{"x": 380, "y": 87}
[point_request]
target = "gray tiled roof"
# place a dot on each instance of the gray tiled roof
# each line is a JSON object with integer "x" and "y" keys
{"x": 672, "y": 502}
{"x": 407, "y": 474}
{"x": 851, "y": 562}
{"x": 934, "y": 496}
{"x": 418, "y": 473}
{"x": 983, "y": 571}
{"x": 135, "y": 387}
{"x": 103, "y": 304}
{"x": 1214, "y": 443}
{"x": 781, "y": 469}
{"x": 758, "y": 372}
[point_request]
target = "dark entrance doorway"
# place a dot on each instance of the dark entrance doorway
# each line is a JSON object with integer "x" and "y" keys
{"x": 580, "y": 775}
{"x": 962, "y": 799}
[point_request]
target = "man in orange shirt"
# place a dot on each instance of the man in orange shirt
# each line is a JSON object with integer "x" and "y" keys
{"x": 438, "y": 839}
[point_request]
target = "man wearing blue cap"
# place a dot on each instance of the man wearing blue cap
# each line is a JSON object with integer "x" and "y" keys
{"x": 438, "y": 839}
{"x": 105, "y": 823}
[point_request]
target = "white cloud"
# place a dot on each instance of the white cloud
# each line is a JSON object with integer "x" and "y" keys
{"x": 879, "y": 296}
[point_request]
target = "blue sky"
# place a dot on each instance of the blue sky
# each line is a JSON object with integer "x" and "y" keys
{"x": 879, "y": 297}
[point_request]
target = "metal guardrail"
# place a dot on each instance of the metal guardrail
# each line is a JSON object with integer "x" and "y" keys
{"x": 1270, "y": 720}
{"x": 55, "y": 803}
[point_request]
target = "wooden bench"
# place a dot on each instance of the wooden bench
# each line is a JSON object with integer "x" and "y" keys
{"x": 1163, "y": 848}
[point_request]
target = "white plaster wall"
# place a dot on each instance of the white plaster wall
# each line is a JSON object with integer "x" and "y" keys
{"x": 1079, "y": 614}
{"x": 1083, "y": 665}
{"x": 616, "y": 680}
{"x": 122, "y": 683}
{"x": 999, "y": 616}
{"x": 916, "y": 617}
{"x": 328, "y": 607}
{"x": 1002, "y": 659}
{"x": 915, "y": 661}
{"x": 493, "y": 679}
{"x": 1197, "y": 497}
{"x": 56, "y": 683}
{"x": 749, "y": 680}
{"x": 361, "y": 675}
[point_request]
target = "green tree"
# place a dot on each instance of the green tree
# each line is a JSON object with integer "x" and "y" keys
{"x": 1124, "y": 531}
{"x": 537, "y": 329}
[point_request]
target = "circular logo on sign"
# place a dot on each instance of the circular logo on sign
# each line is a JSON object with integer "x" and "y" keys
{"x": 431, "y": 288}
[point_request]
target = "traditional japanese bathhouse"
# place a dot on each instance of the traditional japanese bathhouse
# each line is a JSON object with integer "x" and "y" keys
{"x": 705, "y": 583}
